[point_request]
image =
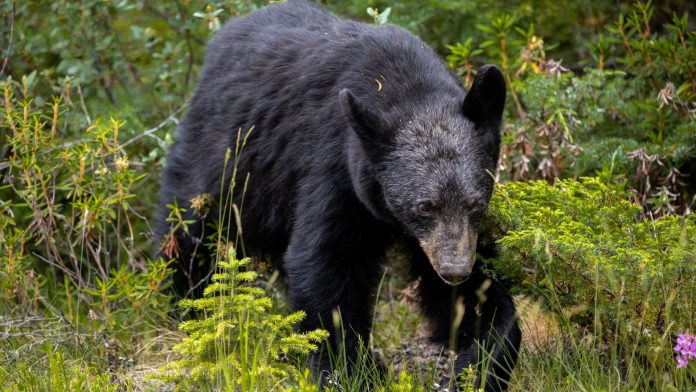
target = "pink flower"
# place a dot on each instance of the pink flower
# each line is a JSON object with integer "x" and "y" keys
{"x": 681, "y": 362}
{"x": 685, "y": 348}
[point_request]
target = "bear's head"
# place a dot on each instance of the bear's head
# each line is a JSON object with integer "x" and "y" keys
{"x": 431, "y": 172}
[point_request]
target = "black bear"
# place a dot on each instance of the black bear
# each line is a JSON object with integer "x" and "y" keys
{"x": 362, "y": 139}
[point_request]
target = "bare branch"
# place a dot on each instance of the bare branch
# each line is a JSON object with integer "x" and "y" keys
{"x": 149, "y": 132}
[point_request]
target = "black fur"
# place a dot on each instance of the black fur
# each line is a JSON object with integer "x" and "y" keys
{"x": 362, "y": 138}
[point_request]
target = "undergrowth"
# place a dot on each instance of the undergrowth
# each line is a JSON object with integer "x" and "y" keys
{"x": 79, "y": 294}
{"x": 622, "y": 287}
{"x": 238, "y": 343}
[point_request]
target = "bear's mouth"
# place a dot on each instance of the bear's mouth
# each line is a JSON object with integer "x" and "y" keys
{"x": 453, "y": 283}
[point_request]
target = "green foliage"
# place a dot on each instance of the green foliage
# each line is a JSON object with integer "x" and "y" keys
{"x": 140, "y": 57}
{"x": 580, "y": 246}
{"x": 657, "y": 98}
{"x": 60, "y": 201}
{"x": 61, "y": 376}
{"x": 73, "y": 267}
{"x": 467, "y": 381}
{"x": 404, "y": 384}
{"x": 444, "y": 22}
{"x": 461, "y": 58}
{"x": 583, "y": 363}
{"x": 239, "y": 344}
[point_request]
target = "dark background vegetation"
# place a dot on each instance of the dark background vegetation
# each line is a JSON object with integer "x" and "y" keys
{"x": 601, "y": 109}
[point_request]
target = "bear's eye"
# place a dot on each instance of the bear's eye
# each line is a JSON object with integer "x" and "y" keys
{"x": 426, "y": 208}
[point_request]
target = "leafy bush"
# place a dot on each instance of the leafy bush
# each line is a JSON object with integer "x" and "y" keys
{"x": 564, "y": 123}
{"x": 239, "y": 344}
{"x": 73, "y": 262}
{"x": 134, "y": 60}
{"x": 443, "y": 22}
{"x": 585, "y": 245}
{"x": 69, "y": 213}
{"x": 581, "y": 247}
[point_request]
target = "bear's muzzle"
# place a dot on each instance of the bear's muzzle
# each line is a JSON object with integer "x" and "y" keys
{"x": 451, "y": 250}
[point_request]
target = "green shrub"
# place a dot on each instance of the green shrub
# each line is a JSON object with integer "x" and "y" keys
{"x": 582, "y": 248}
{"x": 70, "y": 214}
{"x": 585, "y": 244}
{"x": 239, "y": 344}
{"x": 74, "y": 269}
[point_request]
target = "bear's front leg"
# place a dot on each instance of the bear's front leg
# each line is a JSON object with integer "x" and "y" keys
{"x": 487, "y": 336}
{"x": 332, "y": 267}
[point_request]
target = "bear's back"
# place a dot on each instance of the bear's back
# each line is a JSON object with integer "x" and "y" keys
{"x": 300, "y": 55}
{"x": 276, "y": 30}
{"x": 300, "y": 36}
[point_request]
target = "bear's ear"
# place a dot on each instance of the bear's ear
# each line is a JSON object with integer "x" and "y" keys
{"x": 368, "y": 125}
{"x": 485, "y": 101}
